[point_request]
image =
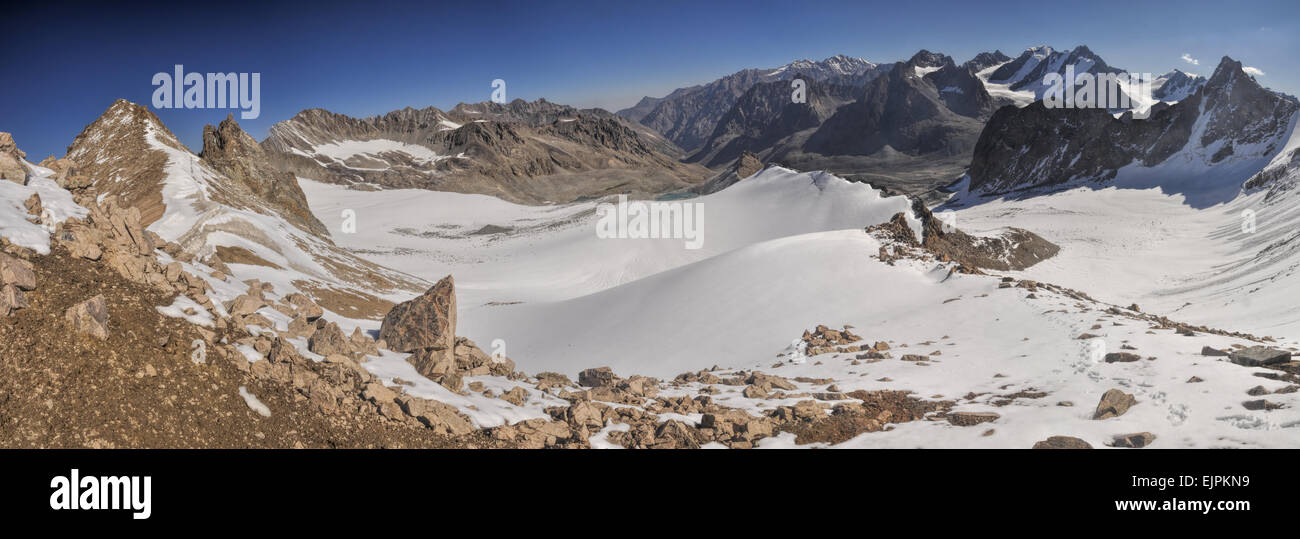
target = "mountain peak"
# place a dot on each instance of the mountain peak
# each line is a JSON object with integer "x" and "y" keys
{"x": 925, "y": 58}
{"x": 227, "y": 139}
{"x": 122, "y": 122}
{"x": 1226, "y": 70}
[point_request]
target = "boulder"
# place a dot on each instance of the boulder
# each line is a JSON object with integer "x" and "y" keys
{"x": 969, "y": 419}
{"x": 442, "y": 418}
{"x": 1135, "y": 440}
{"x": 89, "y": 317}
{"x": 1113, "y": 404}
{"x": 428, "y": 321}
{"x": 63, "y": 168}
{"x": 516, "y": 396}
{"x": 1259, "y": 356}
{"x": 328, "y": 339}
{"x": 1121, "y": 357}
{"x": 1062, "y": 442}
{"x": 243, "y": 305}
{"x": 674, "y": 434}
{"x": 432, "y": 363}
{"x": 12, "y": 167}
{"x": 33, "y": 205}
{"x": 17, "y": 272}
{"x": 11, "y": 299}
{"x": 305, "y": 306}
{"x": 596, "y": 377}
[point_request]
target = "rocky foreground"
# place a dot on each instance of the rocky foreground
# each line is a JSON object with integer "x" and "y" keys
{"x": 110, "y": 341}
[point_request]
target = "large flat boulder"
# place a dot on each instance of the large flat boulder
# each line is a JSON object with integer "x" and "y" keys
{"x": 1259, "y": 356}
{"x": 1062, "y": 442}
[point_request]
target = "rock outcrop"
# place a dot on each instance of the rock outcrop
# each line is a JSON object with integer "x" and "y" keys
{"x": 12, "y": 167}
{"x": 424, "y": 323}
{"x": 231, "y": 151}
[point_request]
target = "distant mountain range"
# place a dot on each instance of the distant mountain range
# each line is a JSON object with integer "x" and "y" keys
{"x": 528, "y": 152}
{"x": 688, "y": 116}
{"x": 908, "y": 125}
{"x": 1229, "y": 118}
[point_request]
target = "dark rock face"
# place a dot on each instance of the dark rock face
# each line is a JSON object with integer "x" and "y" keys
{"x": 640, "y": 109}
{"x": 899, "y": 111}
{"x": 961, "y": 91}
{"x": 985, "y": 60}
{"x": 1037, "y": 146}
{"x": 426, "y": 322}
{"x": 231, "y": 151}
{"x": 688, "y": 116}
{"x": 905, "y": 120}
{"x": 766, "y": 114}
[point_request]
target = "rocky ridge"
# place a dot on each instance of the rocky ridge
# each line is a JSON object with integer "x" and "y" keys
{"x": 526, "y": 152}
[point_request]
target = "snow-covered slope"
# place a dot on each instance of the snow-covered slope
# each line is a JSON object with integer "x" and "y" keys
{"x": 1011, "y": 351}
{"x": 1155, "y": 239}
{"x": 133, "y": 156}
{"x": 14, "y": 217}
{"x": 548, "y": 253}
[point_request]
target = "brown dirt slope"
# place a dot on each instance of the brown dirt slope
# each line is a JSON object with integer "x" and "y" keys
{"x": 141, "y": 389}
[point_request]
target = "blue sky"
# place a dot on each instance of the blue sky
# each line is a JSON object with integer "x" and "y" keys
{"x": 65, "y": 64}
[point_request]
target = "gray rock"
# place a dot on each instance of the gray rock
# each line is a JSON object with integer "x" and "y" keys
{"x": 1135, "y": 441}
{"x": 967, "y": 419}
{"x": 1121, "y": 357}
{"x": 1259, "y": 356}
{"x": 1062, "y": 442}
